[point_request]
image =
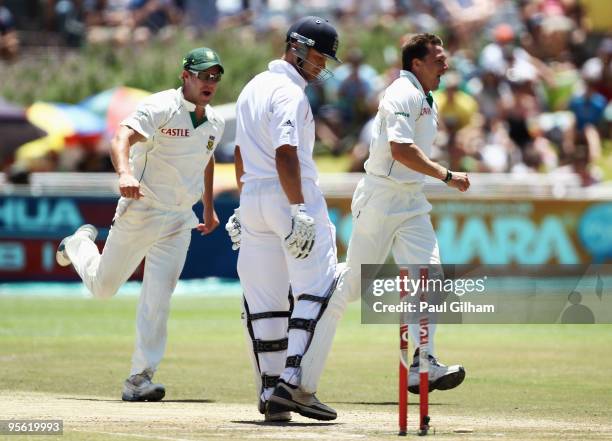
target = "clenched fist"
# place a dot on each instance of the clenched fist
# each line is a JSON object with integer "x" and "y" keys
{"x": 129, "y": 187}
{"x": 460, "y": 181}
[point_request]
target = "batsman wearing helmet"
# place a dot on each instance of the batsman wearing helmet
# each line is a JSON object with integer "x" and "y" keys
{"x": 285, "y": 236}
{"x": 163, "y": 155}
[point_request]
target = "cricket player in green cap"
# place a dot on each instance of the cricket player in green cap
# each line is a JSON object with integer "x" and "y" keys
{"x": 163, "y": 156}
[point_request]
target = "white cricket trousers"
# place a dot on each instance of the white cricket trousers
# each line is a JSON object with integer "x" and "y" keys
{"x": 139, "y": 231}
{"x": 267, "y": 270}
{"x": 390, "y": 217}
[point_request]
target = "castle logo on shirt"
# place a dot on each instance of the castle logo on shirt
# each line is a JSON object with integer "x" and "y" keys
{"x": 176, "y": 133}
{"x": 211, "y": 142}
{"x": 426, "y": 111}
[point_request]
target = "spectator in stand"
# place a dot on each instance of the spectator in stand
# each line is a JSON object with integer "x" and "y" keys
{"x": 368, "y": 13}
{"x": 465, "y": 18}
{"x": 125, "y": 21}
{"x": 588, "y": 108}
{"x": 109, "y": 21}
{"x": 522, "y": 115}
{"x": 329, "y": 129}
{"x": 200, "y": 14}
{"x": 360, "y": 70}
{"x": 499, "y": 153}
{"x": 490, "y": 90}
{"x": 355, "y": 90}
{"x": 502, "y": 54}
{"x": 361, "y": 150}
{"x": 9, "y": 42}
{"x": 523, "y": 104}
{"x": 351, "y": 100}
{"x": 456, "y": 111}
{"x": 151, "y": 16}
{"x": 71, "y": 17}
{"x": 600, "y": 68}
{"x": 584, "y": 167}
{"x": 581, "y": 164}
{"x": 456, "y": 107}
{"x": 531, "y": 163}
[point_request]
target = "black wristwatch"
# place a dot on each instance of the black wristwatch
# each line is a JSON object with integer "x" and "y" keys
{"x": 448, "y": 177}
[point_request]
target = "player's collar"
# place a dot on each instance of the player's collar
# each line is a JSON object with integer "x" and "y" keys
{"x": 413, "y": 79}
{"x": 281, "y": 66}
{"x": 189, "y": 106}
{"x": 415, "y": 82}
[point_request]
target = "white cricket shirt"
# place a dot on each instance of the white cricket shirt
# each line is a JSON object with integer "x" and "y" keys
{"x": 404, "y": 116}
{"x": 273, "y": 110}
{"x": 170, "y": 163}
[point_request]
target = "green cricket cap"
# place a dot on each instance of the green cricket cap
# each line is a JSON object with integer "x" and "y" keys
{"x": 201, "y": 58}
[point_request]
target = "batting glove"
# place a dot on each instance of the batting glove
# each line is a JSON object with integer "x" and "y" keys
{"x": 234, "y": 229}
{"x": 301, "y": 239}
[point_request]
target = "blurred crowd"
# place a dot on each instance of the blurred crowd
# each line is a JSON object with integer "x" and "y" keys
{"x": 528, "y": 90}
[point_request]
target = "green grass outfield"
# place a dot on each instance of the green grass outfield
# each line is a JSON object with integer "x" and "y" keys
{"x": 66, "y": 358}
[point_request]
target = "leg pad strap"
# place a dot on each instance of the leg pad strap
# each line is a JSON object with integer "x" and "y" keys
{"x": 269, "y": 380}
{"x": 268, "y": 314}
{"x": 305, "y": 324}
{"x": 294, "y": 361}
{"x": 311, "y": 298}
{"x": 270, "y": 345}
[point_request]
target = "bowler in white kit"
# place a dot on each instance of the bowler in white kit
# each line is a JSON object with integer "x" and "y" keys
{"x": 163, "y": 155}
{"x": 390, "y": 211}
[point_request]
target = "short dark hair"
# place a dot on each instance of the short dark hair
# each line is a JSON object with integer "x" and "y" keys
{"x": 417, "y": 47}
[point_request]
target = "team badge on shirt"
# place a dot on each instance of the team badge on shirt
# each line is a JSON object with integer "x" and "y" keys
{"x": 211, "y": 142}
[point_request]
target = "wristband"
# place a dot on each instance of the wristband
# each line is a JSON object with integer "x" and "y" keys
{"x": 448, "y": 177}
{"x": 296, "y": 208}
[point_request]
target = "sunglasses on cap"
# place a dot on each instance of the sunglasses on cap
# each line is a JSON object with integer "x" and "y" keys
{"x": 207, "y": 76}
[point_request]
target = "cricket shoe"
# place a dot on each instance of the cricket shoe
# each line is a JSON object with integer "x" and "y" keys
{"x": 273, "y": 416}
{"x": 61, "y": 256}
{"x": 441, "y": 377}
{"x": 287, "y": 397}
{"x": 139, "y": 387}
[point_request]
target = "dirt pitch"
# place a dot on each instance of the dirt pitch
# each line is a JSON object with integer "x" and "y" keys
{"x": 109, "y": 418}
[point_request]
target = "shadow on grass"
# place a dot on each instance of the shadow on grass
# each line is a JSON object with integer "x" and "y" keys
{"x": 414, "y": 402}
{"x": 284, "y": 424}
{"x": 190, "y": 401}
{"x": 121, "y": 401}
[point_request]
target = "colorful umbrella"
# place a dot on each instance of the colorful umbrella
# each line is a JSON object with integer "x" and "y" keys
{"x": 15, "y": 129}
{"x": 114, "y": 105}
{"x": 66, "y": 125}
